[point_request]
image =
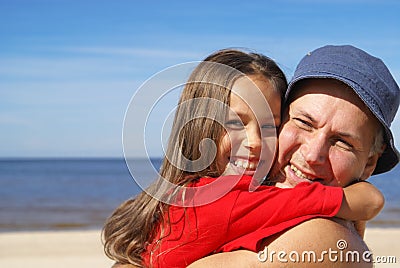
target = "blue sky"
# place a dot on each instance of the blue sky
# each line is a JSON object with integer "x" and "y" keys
{"x": 68, "y": 69}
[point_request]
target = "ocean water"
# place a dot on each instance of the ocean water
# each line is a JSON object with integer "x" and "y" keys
{"x": 53, "y": 194}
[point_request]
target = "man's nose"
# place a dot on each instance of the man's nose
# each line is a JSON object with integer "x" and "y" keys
{"x": 315, "y": 149}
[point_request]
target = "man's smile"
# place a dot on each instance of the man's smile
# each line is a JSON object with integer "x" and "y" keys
{"x": 297, "y": 176}
{"x": 299, "y": 173}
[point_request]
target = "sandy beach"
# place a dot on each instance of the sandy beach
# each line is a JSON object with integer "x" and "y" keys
{"x": 384, "y": 243}
{"x": 52, "y": 249}
{"x": 84, "y": 249}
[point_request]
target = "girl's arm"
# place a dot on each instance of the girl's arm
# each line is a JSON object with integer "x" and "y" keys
{"x": 361, "y": 202}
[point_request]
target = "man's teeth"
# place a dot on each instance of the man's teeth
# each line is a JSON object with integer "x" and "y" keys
{"x": 245, "y": 164}
{"x": 298, "y": 173}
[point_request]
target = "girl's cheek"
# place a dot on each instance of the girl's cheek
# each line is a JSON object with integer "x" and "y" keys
{"x": 269, "y": 148}
{"x": 237, "y": 140}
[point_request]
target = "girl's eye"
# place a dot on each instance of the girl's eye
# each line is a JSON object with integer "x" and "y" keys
{"x": 269, "y": 130}
{"x": 234, "y": 124}
{"x": 269, "y": 126}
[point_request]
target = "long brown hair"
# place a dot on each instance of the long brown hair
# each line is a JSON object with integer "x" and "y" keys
{"x": 133, "y": 225}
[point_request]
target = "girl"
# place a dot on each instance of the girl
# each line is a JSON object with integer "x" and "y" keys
{"x": 210, "y": 208}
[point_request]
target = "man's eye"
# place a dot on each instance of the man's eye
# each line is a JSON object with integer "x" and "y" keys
{"x": 234, "y": 124}
{"x": 302, "y": 123}
{"x": 344, "y": 145}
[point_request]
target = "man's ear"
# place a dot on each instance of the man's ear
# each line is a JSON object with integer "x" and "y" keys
{"x": 371, "y": 164}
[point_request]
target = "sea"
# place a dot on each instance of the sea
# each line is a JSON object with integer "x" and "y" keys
{"x": 80, "y": 193}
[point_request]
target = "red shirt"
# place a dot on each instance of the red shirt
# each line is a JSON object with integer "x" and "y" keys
{"x": 240, "y": 219}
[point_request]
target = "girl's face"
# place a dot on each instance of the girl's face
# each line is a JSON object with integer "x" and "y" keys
{"x": 250, "y": 140}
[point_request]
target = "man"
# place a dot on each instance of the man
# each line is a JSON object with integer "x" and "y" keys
{"x": 341, "y": 102}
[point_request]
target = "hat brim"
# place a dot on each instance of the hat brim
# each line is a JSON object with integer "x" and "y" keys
{"x": 387, "y": 161}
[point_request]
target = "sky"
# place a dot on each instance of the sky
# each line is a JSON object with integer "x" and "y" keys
{"x": 69, "y": 69}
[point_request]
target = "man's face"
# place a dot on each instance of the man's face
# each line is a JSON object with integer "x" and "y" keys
{"x": 326, "y": 137}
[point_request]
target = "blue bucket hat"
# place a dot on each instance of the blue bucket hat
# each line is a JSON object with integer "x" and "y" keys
{"x": 369, "y": 78}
